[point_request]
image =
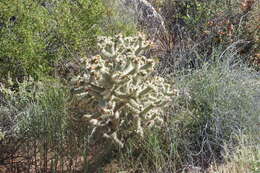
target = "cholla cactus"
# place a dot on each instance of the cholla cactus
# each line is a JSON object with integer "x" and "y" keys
{"x": 117, "y": 89}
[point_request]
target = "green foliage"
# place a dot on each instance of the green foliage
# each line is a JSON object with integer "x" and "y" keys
{"x": 46, "y": 115}
{"x": 117, "y": 90}
{"x": 117, "y": 93}
{"x": 35, "y": 34}
{"x": 13, "y": 103}
{"x": 215, "y": 105}
{"x": 45, "y": 126}
{"x": 36, "y": 124}
{"x": 221, "y": 103}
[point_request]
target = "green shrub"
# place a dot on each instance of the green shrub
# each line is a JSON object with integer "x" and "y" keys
{"x": 46, "y": 128}
{"x": 221, "y": 105}
{"x": 216, "y": 104}
{"x": 35, "y": 34}
{"x": 35, "y": 121}
{"x": 12, "y": 105}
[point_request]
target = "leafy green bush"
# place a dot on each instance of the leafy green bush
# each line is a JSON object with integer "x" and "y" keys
{"x": 35, "y": 34}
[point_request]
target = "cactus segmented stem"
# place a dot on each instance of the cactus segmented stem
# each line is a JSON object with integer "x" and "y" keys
{"x": 118, "y": 88}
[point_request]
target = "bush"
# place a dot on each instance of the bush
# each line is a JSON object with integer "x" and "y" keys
{"x": 36, "y": 123}
{"x": 216, "y": 103}
{"x": 12, "y": 106}
{"x": 195, "y": 28}
{"x": 35, "y": 34}
{"x": 222, "y": 103}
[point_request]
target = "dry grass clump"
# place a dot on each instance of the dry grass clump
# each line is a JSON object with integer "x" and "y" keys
{"x": 244, "y": 159}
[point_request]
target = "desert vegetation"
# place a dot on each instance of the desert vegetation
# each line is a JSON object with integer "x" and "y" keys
{"x": 129, "y": 86}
